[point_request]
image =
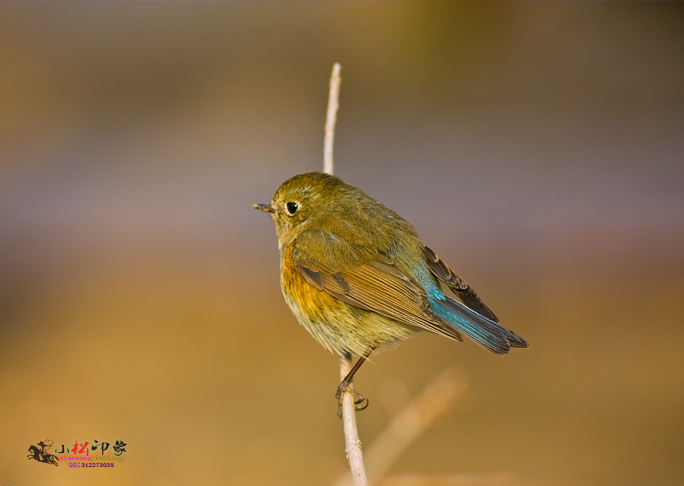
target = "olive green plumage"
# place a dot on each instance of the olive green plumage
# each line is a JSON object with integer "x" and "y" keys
{"x": 357, "y": 276}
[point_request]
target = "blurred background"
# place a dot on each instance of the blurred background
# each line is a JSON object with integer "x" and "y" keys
{"x": 538, "y": 148}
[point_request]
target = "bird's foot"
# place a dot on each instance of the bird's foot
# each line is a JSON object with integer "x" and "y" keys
{"x": 360, "y": 402}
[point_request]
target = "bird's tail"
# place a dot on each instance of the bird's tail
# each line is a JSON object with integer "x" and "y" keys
{"x": 488, "y": 334}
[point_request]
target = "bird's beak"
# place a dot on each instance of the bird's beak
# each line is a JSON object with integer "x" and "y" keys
{"x": 264, "y": 207}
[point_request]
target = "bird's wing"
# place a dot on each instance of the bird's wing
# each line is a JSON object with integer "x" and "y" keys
{"x": 457, "y": 285}
{"x": 376, "y": 286}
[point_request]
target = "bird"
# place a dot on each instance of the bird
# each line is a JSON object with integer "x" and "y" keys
{"x": 357, "y": 276}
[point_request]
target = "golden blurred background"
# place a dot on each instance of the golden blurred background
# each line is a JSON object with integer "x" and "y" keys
{"x": 538, "y": 148}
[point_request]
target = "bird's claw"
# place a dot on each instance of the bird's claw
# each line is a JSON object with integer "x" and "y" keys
{"x": 360, "y": 402}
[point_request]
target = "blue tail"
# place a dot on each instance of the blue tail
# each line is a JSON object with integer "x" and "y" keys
{"x": 486, "y": 333}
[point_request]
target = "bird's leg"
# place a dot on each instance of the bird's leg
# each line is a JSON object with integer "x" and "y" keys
{"x": 360, "y": 402}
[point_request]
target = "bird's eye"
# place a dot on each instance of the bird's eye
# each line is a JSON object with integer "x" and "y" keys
{"x": 292, "y": 207}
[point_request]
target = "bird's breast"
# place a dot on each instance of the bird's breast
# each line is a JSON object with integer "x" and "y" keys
{"x": 305, "y": 300}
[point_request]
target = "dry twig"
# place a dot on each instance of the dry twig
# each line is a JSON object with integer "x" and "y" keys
{"x": 351, "y": 434}
{"x": 417, "y": 416}
{"x": 437, "y": 398}
{"x": 331, "y": 119}
{"x": 407, "y": 426}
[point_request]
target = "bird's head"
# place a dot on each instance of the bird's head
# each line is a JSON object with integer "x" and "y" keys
{"x": 303, "y": 199}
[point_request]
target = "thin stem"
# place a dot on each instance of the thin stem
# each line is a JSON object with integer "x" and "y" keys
{"x": 331, "y": 118}
{"x": 351, "y": 433}
{"x": 436, "y": 399}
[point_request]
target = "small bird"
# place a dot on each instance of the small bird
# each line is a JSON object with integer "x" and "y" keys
{"x": 357, "y": 277}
